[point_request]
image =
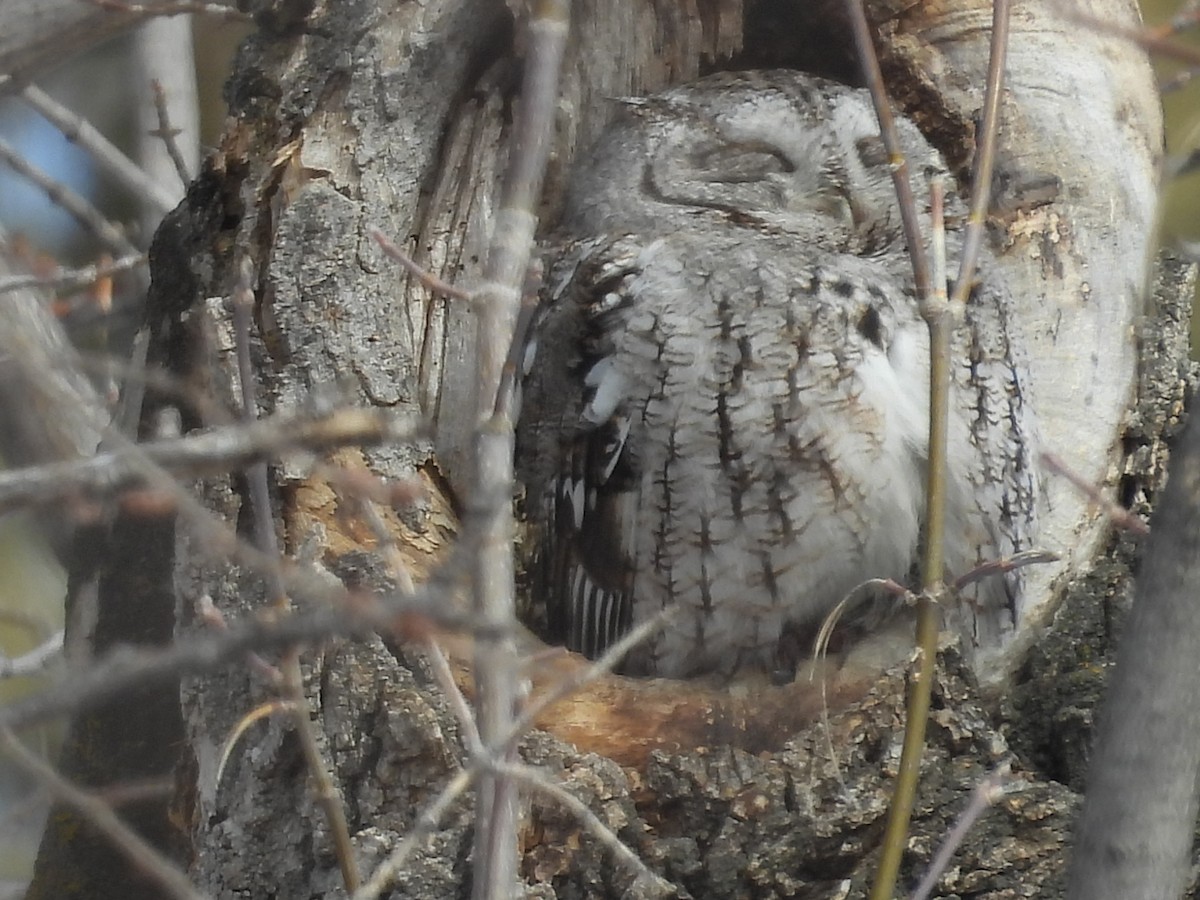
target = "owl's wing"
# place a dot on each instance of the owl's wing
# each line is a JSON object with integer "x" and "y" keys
{"x": 577, "y": 451}
{"x": 588, "y": 587}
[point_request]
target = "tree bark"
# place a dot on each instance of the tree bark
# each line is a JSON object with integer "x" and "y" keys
{"x": 1137, "y": 825}
{"x": 380, "y": 112}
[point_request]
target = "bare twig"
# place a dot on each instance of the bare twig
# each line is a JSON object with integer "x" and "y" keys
{"x": 986, "y": 794}
{"x": 210, "y": 614}
{"x": 497, "y": 303}
{"x": 260, "y": 712}
{"x": 425, "y": 825}
{"x": 210, "y": 453}
{"x": 175, "y": 8}
{"x": 35, "y": 661}
{"x": 67, "y": 280}
{"x": 135, "y": 790}
{"x": 80, "y": 209}
{"x": 598, "y": 669}
{"x": 458, "y": 703}
{"x": 1000, "y": 566}
{"x": 1119, "y": 515}
{"x": 1148, "y": 39}
{"x": 168, "y": 134}
{"x": 333, "y": 613}
{"x": 170, "y": 878}
{"x": 107, "y": 155}
{"x": 434, "y": 284}
{"x": 939, "y": 315}
{"x": 829, "y": 623}
{"x": 537, "y": 780}
{"x": 985, "y": 153}
{"x": 865, "y": 48}
{"x": 295, "y": 700}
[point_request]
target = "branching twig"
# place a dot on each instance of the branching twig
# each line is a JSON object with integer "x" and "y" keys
{"x": 80, "y": 209}
{"x": 209, "y": 453}
{"x": 425, "y": 825}
{"x": 939, "y": 315}
{"x": 865, "y": 48}
{"x": 107, "y": 155}
{"x": 170, "y": 878}
{"x": 168, "y": 134}
{"x": 497, "y": 303}
{"x": 333, "y": 613}
{"x": 67, "y": 280}
{"x": 295, "y": 700}
{"x": 985, "y": 153}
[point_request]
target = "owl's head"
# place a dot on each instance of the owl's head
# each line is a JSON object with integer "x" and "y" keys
{"x": 784, "y": 151}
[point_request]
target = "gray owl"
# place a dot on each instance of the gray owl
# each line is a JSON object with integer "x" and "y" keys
{"x": 726, "y": 402}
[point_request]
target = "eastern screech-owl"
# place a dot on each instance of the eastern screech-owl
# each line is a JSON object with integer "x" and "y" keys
{"x": 726, "y": 400}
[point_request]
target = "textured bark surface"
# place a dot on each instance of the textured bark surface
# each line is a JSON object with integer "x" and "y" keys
{"x": 357, "y": 113}
{"x": 1139, "y": 817}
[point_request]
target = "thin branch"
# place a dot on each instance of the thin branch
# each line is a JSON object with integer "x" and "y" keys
{"x": 210, "y": 453}
{"x": 65, "y": 281}
{"x": 497, "y": 305}
{"x": 136, "y": 790}
{"x": 1117, "y": 514}
{"x": 208, "y": 613}
{"x": 35, "y": 661}
{"x": 598, "y": 669}
{"x": 296, "y": 700}
{"x": 175, "y": 8}
{"x": 626, "y": 858}
{"x": 427, "y": 822}
{"x": 1001, "y": 566}
{"x": 430, "y": 281}
{"x": 986, "y": 794}
{"x": 168, "y": 134}
{"x": 1151, "y": 40}
{"x": 334, "y": 612}
{"x": 387, "y": 547}
{"x": 865, "y": 48}
{"x": 79, "y": 208}
{"x": 939, "y": 316}
{"x": 458, "y": 703}
{"x": 985, "y": 153}
{"x": 107, "y": 155}
{"x": 170, "y": 878}
{"x": 936, "y": 311}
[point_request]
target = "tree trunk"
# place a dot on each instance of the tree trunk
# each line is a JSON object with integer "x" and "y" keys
{"x": 394, "y": 114}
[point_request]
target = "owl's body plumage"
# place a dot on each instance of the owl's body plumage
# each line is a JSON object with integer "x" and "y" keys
{"x": 727, "y": 409}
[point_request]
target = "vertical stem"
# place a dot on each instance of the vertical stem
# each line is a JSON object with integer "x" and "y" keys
{"x": 985, "y": 151}
{"x": 865, "y": 48}
{"x": 936, "y": 311}
{"x": 939, "y": 316}
{"x": 498, "y": 302}
{"x": 326, "y": 792}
